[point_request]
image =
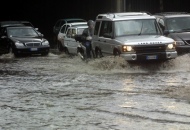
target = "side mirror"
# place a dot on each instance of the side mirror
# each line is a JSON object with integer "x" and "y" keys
{"x": 41, "y": 35}
{"x": 36, "y": 29}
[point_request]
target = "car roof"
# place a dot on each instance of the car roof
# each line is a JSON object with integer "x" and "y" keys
{"x": 75, "y": 24}
{"x": 7, "y": 23}
{"x": 19, "y": 27}
{"x": 125, "y": 16}
{"x": 173, "y": 14}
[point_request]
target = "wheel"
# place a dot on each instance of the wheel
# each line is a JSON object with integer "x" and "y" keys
{"x": 116, "y": 52}
{"x": 13, "y": 52}
{"x": 60, "y": 46}
{"x": 66, "y": 51}
{"x": 10, "y": 51}
{"x": 98, "y": 53}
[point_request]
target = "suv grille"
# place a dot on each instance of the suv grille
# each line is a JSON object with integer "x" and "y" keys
{"x": 147, "y": 49}
{"x": 33, "y": 44}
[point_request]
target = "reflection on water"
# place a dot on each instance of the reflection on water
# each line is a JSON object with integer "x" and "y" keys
{"x": 59, "y": 92}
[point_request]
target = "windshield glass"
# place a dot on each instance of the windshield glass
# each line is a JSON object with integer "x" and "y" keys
{"x": 136, "y": 27}
{"x": 178, "y": 24}
{"x": 80, "y": 31}
{"x": 21, "y": 32}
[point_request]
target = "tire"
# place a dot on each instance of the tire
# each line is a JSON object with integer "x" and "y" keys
{"x": 98, "y": 53}
{"x": 59, "y": 46}
{"x": 66, "y": 51}
{"x": 11, "y": 51}
{"x": 116, "y": 52}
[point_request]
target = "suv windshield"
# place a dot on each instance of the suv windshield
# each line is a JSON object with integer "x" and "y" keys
{"x": 178, "y": 24}
{"x": 137, "y": 27}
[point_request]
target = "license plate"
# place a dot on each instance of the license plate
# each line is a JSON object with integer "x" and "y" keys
{"x": 33, "y": 49}
{"x": 151, "y": 57}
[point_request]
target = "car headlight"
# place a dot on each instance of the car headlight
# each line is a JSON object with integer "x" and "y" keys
{"x": 45, "y": 43}
{"x": 127, "y": 48}
{"x": 171, "y": 45}
{"x": 19, "y": 44}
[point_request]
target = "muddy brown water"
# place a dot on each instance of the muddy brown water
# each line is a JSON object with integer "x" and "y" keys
{"x": 58, "y": 92}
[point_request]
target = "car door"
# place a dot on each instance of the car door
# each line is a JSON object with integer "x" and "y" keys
{"x": 67, "y": 39}
{"x": 105, "y": 37}
{"x": 71, "y": 43}
{"x": 61, "y": 34}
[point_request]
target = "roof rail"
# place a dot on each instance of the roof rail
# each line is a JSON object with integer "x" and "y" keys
{"x": 122, "y": 14}
{"x": 170, "y": 13}
{"x": 146, "y": 12}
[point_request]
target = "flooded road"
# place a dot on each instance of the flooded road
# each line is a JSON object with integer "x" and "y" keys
{"x": 58, "y": 92}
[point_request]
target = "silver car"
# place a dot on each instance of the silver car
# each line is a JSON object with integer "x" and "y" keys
{"x": 133, "y": 36}
{"x": 62, "y": 33}
{"x": 72, "y": 42}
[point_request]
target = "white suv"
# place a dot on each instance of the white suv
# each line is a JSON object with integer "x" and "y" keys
{"x": 133, "y": 36}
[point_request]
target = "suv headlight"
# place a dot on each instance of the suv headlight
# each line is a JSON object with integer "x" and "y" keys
{"x": 171, "y": 45}
{"x": 19, "y": 44}
{"x": 45, "y": 43}
{"x": 127, "y": 48}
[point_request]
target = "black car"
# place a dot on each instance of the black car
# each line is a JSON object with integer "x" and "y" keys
{"x": 176, "y": 25}
{"x": 10, "y": 23}
{"x": 22, "y": 40}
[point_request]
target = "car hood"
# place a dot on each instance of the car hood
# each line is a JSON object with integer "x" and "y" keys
{"x": 27, "y": 39}
{"x": 145, "y": 39}
{"x": 180, "y": 36}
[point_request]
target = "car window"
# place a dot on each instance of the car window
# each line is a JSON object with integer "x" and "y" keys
{"x": 63, "y": 29}
{"x": 69, "y": 32}
{"x": 180, "y": 23}
{"x": 80, "y": 31}
{"x": 106, "y": 29}
{"x": 67, "y": 26}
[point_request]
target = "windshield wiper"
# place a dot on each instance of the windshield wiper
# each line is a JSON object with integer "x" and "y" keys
{"x": 141, "y": 29}
{"x": 186, "y": 29}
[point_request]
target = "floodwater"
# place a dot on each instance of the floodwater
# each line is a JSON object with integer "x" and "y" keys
{"x": 58, "y": 92}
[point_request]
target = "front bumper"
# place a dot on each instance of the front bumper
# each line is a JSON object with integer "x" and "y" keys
{"x": 147, "y": 56}
{"x": 33, "y": 50}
